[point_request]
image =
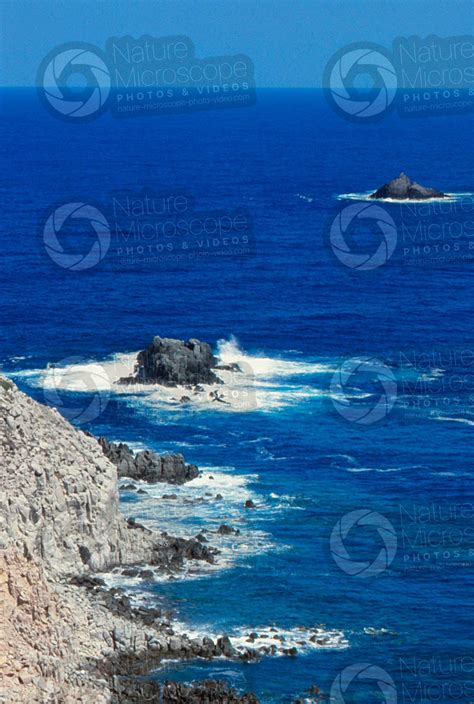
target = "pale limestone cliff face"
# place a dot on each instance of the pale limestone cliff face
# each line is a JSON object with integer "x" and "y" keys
{"x": 41, "y": 651}
{"x": 61, "y": 492}
{"x": 58, "y": 516}
{"x": 61, "y": 642}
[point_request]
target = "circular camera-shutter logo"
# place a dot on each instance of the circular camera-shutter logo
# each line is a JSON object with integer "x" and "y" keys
{"x": 62, "y": 64}
{"x": 354, "y": 214}
{"x": 348, "y": 404}
{"x": 354, "y": 520}
{"x": 363, "y": 671}
{"x": 76, "y": 211}
{"x": 79, "y": 389}
{"x": 342, "y": 73}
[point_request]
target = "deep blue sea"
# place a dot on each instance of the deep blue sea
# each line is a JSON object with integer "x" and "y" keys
{"x": 292, "y": 313}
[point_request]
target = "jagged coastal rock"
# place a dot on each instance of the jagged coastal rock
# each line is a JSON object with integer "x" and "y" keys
{"x": 206, "y": 691}
{"x": 62, "y": 492}
{"x": 147, "y": 465}
{"x": 403, "y": 188}
{"x": 65, "y": 636}
{"x": 171, "y": 362}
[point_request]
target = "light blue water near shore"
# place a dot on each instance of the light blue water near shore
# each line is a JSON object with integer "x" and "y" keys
{"x": 294, "y": 313}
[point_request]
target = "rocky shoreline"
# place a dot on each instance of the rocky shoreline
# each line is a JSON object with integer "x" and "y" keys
{"x": 69, "y": 637}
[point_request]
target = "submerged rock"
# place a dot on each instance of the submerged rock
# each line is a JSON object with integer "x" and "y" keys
{"x": 403, "y": 188}
{"x": 171, "y": 362}
{"x": 224, "y": 529}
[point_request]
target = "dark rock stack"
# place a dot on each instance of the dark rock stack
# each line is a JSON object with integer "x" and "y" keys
{"x": 206, "y": 692}
{"x": 131, "y": 690}
{"x": 171, "y": 552}
{"x": 172, "y": 362}
{"x": 403, "y": 188}
{"x": 224, "y": 529}
{"x": 147, "y": 465}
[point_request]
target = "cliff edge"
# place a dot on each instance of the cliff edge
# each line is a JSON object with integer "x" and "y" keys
{"x": 61, "y": 492}
{"x": 65, "y": 637}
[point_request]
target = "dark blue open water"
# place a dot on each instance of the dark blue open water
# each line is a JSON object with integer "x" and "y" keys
{"x": 295, "y": 313}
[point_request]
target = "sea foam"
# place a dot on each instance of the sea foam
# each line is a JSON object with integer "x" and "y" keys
{"x": 264, "y": 383}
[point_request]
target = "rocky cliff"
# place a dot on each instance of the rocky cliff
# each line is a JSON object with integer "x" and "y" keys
{"x": 61, "y": 492}
{"x": 65, "y": 637}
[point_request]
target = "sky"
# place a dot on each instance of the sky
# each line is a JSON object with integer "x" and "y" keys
{"x": 288, "y": 41}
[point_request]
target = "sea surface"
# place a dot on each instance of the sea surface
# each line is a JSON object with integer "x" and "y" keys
{"x": 290, "y": 313}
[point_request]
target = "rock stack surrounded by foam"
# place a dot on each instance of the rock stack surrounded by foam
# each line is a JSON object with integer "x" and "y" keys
{"x": 171, "y": 362}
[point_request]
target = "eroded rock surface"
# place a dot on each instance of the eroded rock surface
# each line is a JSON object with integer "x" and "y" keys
{"x": 148, "y": 465}
{"x": 215, "y": 691}
{"x": 403, "y": 188}
{"x": 171, "y": 362}
{"x": 65, "y": 636}
{"x": 62, "y": 494}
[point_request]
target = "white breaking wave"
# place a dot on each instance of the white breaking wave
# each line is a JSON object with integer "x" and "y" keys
{"x": 376, "y": 469}
{"x": 264, "y": 640}
{"x": 365, "y": 196}
{"x": 301, "y": 638}
{"x": 448, "y": 419}
{"x": 267, "y": 367}
{"x": 79, "y": 375}
{"x": 308, "y": 199}
{"x": 201, "y": 506}
{"x": 264, "y": 383}
{"x": 356, "y": 470}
